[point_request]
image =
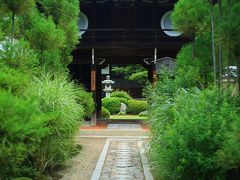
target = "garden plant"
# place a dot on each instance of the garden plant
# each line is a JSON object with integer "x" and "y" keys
{"x": 41, "y": 108}
{"x": 194, "y": 112}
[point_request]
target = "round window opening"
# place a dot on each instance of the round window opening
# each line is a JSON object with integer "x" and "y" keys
{"x": 82, "y": 23}
{"x": 166, "y": 23}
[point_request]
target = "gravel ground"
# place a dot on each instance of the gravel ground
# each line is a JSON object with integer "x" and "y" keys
{"x": 82, "y": 166}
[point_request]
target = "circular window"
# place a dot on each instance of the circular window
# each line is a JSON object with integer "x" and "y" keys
{"x": 166, "y": 23}
{"x": 82, "y": 23}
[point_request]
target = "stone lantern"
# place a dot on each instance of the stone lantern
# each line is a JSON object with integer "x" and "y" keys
{"x": 108, "y": 86}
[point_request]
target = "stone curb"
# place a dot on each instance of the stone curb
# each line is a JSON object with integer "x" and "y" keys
{"x": 98, "y": 169}
{"x": 145, "y": 163}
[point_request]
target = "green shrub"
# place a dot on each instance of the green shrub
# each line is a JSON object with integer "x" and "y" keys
{"x": 87, "y": 102}
{"x": 121, "y": 94}
{"x": 123, "y": 100}
{"x": 21, "y": 129}
{"x": 58, "y": 98}
{"x": 136, "y": 106}
{"x": 19, "y": 56}
{"x": 188, "y": 129}
{"x": 13, "y": 80}
{"x": 229, "y": 155}
{"x": 46, "y": 39}
{"x": 112, "y": 104}
{"x": 105, "y": 113}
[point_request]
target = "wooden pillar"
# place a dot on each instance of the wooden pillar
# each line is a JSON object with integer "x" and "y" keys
{"x": 93, "y": 87}
{"x": 150, "y": 73}
{"x": 98, "y": 92}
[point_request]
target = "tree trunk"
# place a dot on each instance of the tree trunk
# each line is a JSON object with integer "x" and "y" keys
{"x": 220, "y": 44}
{"x": 213, "y": 43}
{"x": 228, "y": 50}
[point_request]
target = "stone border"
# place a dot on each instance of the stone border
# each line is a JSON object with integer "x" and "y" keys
{"x": 98, "y": 169}
{"x": 145, "y": 163}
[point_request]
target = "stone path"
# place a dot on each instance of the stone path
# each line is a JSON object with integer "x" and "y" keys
{"x": 123, "y": 158}
{"x": 123, "y": 161}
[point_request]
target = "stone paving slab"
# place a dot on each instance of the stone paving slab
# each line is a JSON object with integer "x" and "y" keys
{"x": 123, "y": 161}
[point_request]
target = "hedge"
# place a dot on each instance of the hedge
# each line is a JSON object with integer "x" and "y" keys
{"x": 121, "y": 94}
{"x": 136, "y": 106}
{"x": 112, "y": 104}
{"x": 105, "y": 113}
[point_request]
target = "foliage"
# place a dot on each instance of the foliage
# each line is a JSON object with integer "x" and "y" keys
{"x": 40, "y": 114}
{"x": 21, "y": 129}
{"x": 112, "y": 104}
{"x": 121, "y": 94}
{"x": 194, "y": 63}
{"x": 230, "y": 29}
{"x": 13, "y": 80}
{"x": 123, "y": 100}
{"x": 19, "y": 56}
{"x": 51, "y": 29}
{"x": 65, "y": 15}
{"x": 191, "y": 18}
{"x": 230, "y": 26}
{"x": 105, "y": 113}
{"x": 58, "y": 98}
{"x": 136, "y": 106}
{"x": 133, "y": 73}
{"x": 87, "y": 102}
{"x": 196, "y": 132}
{"x": 18, "y": 62}
{"x": 186, "y": 135}
{"x": 16, "y": 6}
{"x": 229, "y": 155}
{"x": 46, "y": 39}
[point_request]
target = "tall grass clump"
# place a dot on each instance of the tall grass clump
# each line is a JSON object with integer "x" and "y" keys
{"x": 86, "y": 100}
{"x": 58, "y": 99}
{"x": 189, "y": 129}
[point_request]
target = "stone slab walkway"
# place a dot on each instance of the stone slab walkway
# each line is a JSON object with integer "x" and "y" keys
{"x": 110, "y": 154}
{"x": 122, "y": 159}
